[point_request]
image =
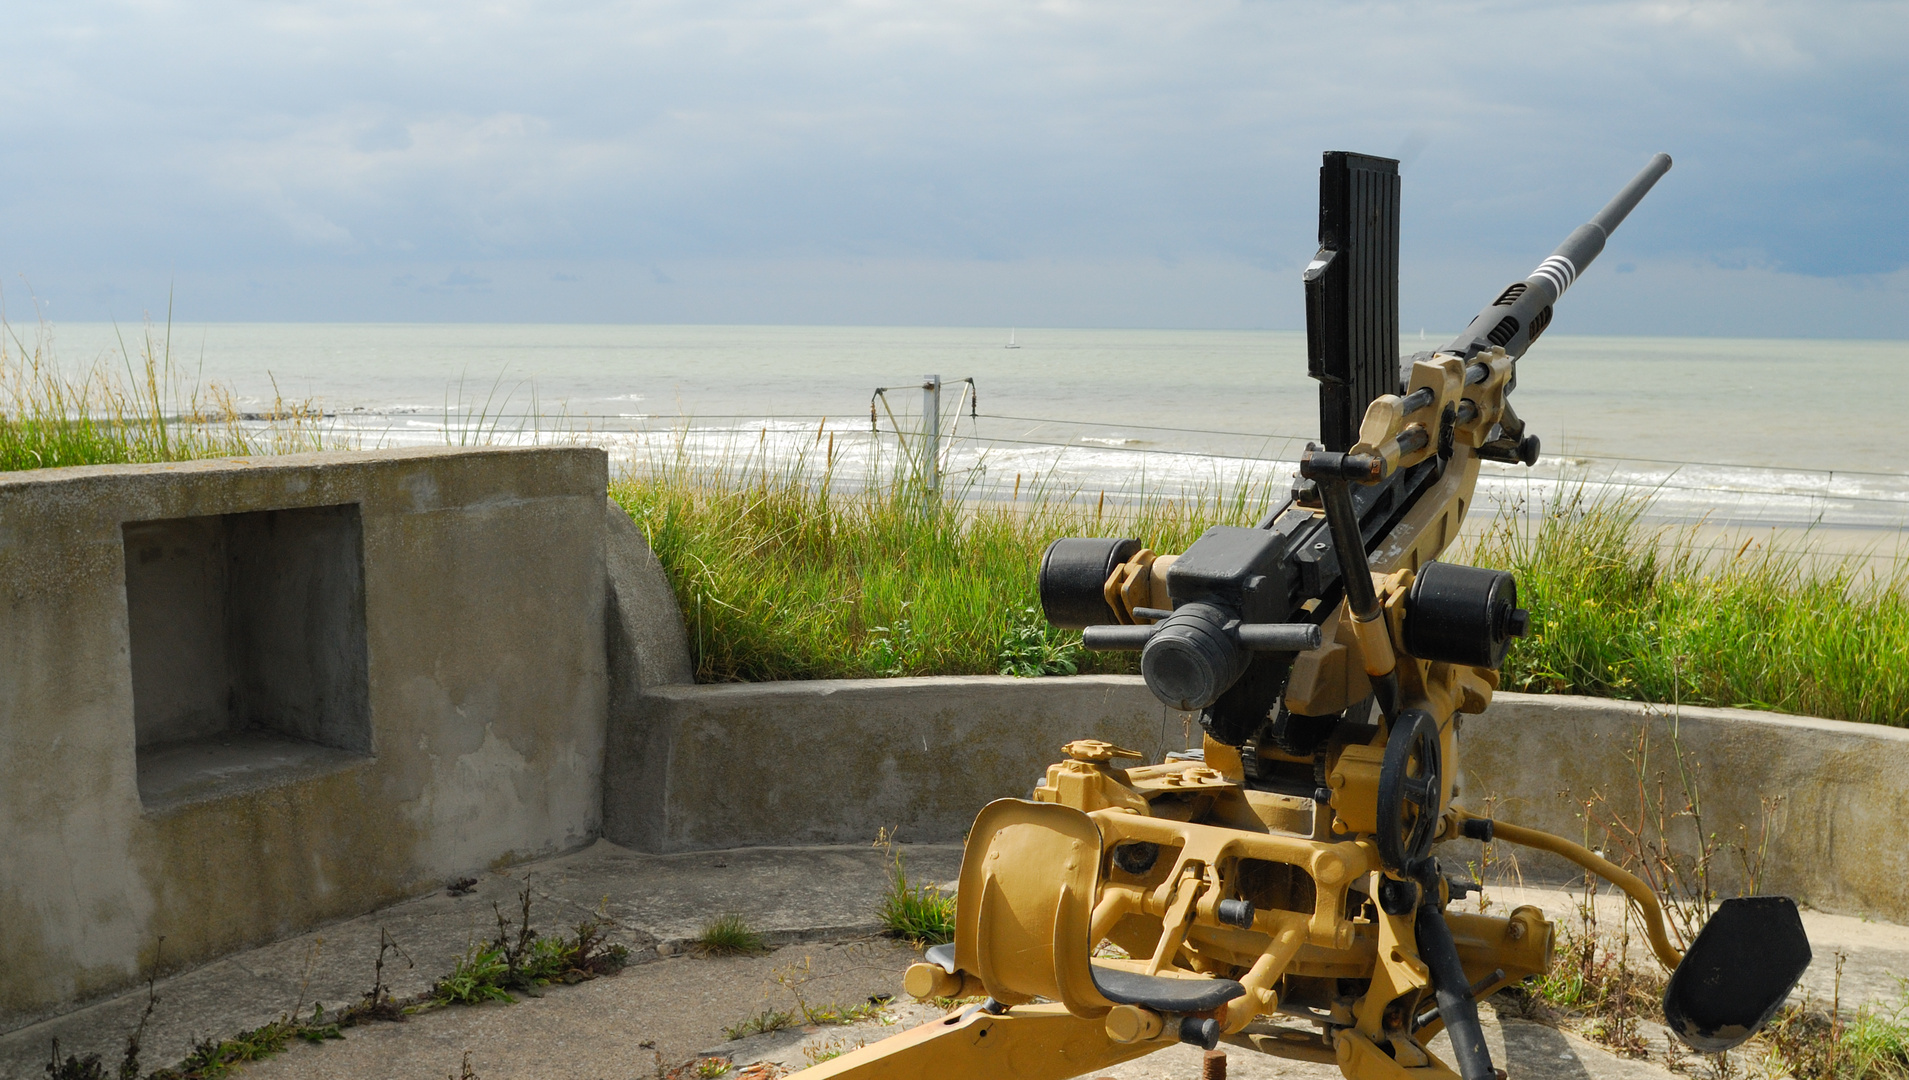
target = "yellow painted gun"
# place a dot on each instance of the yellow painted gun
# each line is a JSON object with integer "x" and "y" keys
{"x": 1279, "y": 888}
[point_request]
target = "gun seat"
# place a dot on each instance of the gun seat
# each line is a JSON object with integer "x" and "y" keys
{"x": 1029, "y": 877}
{"x": 1158, "y": 992}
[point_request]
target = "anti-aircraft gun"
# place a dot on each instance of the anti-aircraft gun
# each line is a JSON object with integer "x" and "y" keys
{"x": 1279, "y": 888}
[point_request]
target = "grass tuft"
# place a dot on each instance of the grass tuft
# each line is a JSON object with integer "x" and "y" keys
{"x": 729, "y": 934}
{"x": 915, "y": 911}
{"x": 762, "y": 1023}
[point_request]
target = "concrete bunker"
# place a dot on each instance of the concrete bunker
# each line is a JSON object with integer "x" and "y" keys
{"x": 243, "y": 697}
{"x": 247, "y": 648}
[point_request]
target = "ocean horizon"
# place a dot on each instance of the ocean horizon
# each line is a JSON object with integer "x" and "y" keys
{"x": 1784, "y": 432}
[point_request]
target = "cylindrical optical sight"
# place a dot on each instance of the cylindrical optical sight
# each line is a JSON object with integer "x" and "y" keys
{"x": 1191, "y": 658}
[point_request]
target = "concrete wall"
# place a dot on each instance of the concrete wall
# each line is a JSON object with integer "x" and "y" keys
{"x": 691, "y": 767}
{"x": 833, "y": 761}
{"x": 1835, "y": 795}
{"x": 696, "y": 767}
{"x": 239, "y": 698}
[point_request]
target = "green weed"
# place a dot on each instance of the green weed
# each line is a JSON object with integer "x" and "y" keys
{"x": 829, "y": 1049}
{"x": 1815, "y": 1044}
{"x": 1031, "y": 648}
{"x": 91, "y": 1067}
{"x": 761, "y": 1024}
{"x": 1592, "y": 978}
{"x": 521, "y": 960}
{"x": 797, "y": 978}
{"x": 836, "y": 1013}
{"x": 479, "y": 975}
{"x": 210, "y": 1059}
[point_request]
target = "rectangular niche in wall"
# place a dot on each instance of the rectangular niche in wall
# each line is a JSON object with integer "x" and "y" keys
{"x": 248, "y": 649}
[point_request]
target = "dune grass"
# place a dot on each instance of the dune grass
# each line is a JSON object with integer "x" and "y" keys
{"x": 1624, "y": 610}
{"x": 131, "y": 408}
{"x": 785, "y": 573}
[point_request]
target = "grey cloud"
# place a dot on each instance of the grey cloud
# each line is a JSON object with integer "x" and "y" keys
{"x": 319, "y": 139}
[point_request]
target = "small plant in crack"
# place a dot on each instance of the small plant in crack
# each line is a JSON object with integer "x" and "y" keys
{"x": 519, "y": 960}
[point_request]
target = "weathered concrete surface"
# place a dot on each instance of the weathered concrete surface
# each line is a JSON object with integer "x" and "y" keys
{"x": 241, "y": 698}
{"x": 647, "y": 647}
{"x": 1527, "y": 1050}
{"x": 648, "y": 643}
{"x": 653, "y": 904}
{"x": 465, "y": 589}
{"x": 805, "y": 896}
{"x": 610, "y": 1029}
{"x": 833, "y": 761}
{"x": 1834, "y": 795}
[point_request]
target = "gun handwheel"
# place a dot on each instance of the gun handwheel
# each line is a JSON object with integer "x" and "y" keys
{"x": 1410, "y": 784}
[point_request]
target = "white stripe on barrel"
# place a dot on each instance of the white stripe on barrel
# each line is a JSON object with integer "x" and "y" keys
{"x": 1558, "y": 271}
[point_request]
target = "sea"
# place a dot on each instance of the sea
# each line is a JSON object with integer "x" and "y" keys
{"x": 1746, "y": 432}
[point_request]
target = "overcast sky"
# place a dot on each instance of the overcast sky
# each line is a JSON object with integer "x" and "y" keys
{"x": 973, "y": 163}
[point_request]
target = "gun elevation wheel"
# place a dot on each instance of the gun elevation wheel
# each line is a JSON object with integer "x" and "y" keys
{"x": 1410, "y": 782}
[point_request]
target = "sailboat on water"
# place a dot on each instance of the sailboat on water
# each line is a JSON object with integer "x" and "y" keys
{"x": 1010, "y": 344}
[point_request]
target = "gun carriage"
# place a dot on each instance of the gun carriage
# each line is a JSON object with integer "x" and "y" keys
{"x": 1280, "y": 889}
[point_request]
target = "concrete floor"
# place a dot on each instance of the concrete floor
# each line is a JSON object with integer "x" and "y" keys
{"x": 667, "y": 1007}
{"x": 654, "y": 904}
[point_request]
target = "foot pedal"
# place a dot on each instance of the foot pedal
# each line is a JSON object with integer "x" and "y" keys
{"x": 1738, "y": 971}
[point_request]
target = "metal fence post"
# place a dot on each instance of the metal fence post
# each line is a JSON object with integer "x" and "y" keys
{"x": 931, "y": 442}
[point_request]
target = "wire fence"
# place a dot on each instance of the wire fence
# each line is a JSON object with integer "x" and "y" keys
{"x": 584, "y": 423}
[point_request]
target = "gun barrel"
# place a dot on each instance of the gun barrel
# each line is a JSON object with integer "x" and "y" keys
{"x": 1520, "y": 313}
{"x": 1587, "y": 241}
{"x": 1620, "y": 207}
